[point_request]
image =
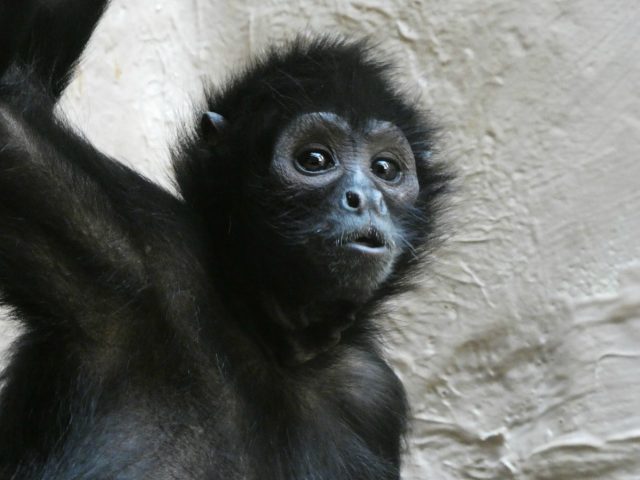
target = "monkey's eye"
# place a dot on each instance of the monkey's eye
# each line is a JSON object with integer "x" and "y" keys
{"x": 314, "y": 161}
{"x": 386, "y": 169}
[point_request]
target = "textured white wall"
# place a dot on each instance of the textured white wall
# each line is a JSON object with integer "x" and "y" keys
{"x": 521, "y": 351}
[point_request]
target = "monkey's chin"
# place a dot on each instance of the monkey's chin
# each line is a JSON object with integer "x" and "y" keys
{"x": 358, "y": 269}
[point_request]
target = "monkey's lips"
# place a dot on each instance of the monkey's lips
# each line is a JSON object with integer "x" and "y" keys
{"x": 369, "y": 241}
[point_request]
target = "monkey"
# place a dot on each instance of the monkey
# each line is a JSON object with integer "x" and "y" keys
{"x": 229, "y": 330}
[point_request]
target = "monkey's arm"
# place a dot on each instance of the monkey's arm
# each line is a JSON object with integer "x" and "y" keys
{"x": 47, "y": 37}
{"x": 67, "y": 223}
{"x": 69, "y": 216}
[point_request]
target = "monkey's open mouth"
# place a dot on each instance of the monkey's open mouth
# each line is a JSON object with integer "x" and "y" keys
{"x": 369, "y": 240}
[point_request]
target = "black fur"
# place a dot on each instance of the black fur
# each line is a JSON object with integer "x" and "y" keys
{"x": 148, "y": 351}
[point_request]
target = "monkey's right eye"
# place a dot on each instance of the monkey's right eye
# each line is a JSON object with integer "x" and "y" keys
{"x": 314, "y": 161}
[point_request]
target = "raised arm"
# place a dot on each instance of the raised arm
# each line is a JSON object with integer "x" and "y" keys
{"x": 60, "y": 233}
{"x": 70, "y": 217}
{"x": 46, "y": 37}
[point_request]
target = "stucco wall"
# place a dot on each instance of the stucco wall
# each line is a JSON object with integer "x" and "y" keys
{"x": 521, "y": 351}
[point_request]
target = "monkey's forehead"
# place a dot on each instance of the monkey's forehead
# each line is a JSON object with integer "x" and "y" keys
{"x": 332, "y": 120}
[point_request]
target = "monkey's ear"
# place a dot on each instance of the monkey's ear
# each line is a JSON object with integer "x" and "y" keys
{"x": 213, "y": 125}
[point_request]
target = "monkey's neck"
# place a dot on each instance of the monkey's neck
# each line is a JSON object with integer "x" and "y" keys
{"x": 281, "y": 314}
{"x": 306, "y": 331}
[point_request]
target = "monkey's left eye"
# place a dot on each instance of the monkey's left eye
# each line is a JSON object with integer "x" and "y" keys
{"x": 314, "y": 161}
{"x": 386, "y": 169}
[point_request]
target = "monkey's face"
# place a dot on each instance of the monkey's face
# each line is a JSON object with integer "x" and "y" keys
{"x": 342, "y": 192}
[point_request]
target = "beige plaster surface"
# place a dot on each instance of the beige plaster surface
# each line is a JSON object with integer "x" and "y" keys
{"x": 521, "y": 350}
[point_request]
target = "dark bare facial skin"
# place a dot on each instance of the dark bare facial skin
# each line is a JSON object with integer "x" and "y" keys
{"x": 362, "y": 177}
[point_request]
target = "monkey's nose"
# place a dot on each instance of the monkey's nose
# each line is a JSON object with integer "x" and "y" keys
{"x": 357, "y": 201}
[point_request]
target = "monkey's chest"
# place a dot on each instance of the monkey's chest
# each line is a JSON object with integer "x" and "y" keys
{"x": 334, "y": 427}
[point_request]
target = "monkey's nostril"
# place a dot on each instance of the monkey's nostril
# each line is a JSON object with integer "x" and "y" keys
{"x": 353, "y": 199}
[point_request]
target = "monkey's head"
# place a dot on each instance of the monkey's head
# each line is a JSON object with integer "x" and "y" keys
{"x": 315, "y": 174}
